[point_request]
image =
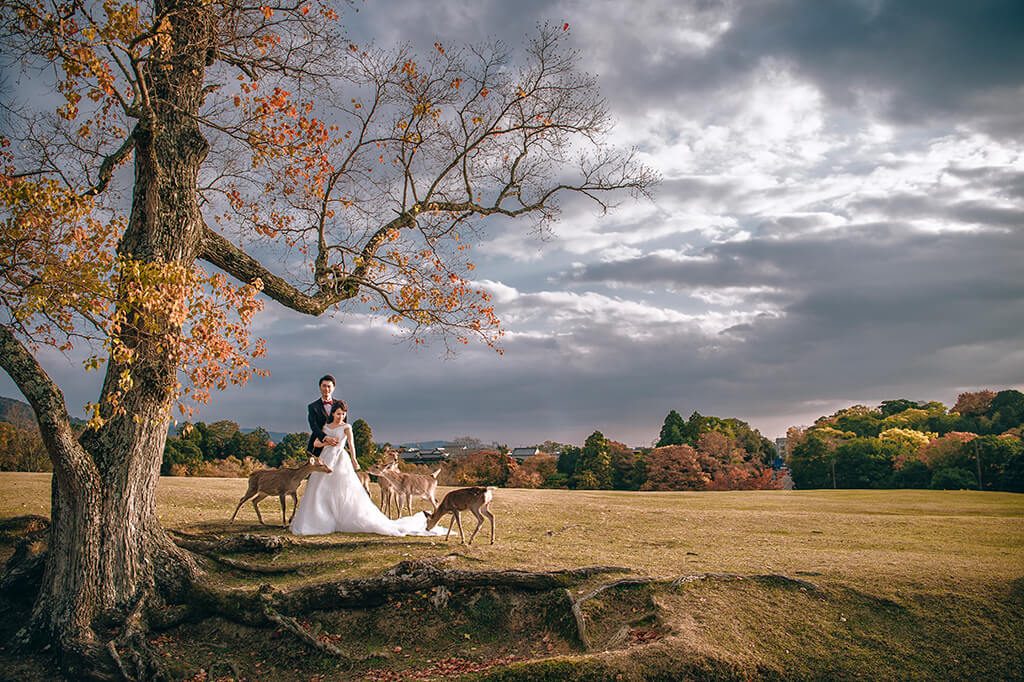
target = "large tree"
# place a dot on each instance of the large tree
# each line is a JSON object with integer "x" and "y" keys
{"x": 362, "y": 436}
{"x": 269, "y": 158}
{"x": 594, "y": 466}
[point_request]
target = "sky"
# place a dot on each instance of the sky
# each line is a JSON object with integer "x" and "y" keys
{"x": 840, "y": 221}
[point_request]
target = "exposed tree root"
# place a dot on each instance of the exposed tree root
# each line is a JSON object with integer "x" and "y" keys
{"x": 131, "y": 652}
{"x": 258, "y": 543}
{"x": 246, "y": 566}
{"x": 19, "y": 527}
{"x": 233, "y": 544}
{"x": 257, "y": 568}
{"x": 23, "y": 572}
{"x": 268, "y": 606}
{"x": 291, "y": 625}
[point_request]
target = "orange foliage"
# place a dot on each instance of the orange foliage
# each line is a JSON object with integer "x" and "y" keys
{"x": 969, "y": 404}
{"x": 674, "y": 467}
{"x": 942, "y": 449}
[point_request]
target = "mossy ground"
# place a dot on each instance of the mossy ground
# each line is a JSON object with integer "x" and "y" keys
{"x": 905, "y": 584}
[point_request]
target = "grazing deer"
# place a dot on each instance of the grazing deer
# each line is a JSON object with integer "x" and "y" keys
{"x": 282, "y": 481}
{"x": 476, "y": 500}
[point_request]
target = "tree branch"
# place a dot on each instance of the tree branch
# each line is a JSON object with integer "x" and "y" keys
{"x": 218, "y": 251}
{"x": 108, "y": 165}
{"x": 48, "y": 403}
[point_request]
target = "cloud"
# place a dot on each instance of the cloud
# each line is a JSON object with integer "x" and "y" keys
{"x": 917, "y": 61}
{"x": 840, "y": 222}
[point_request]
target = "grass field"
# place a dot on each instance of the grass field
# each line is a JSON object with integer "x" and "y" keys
{"x": 896, "y": 584}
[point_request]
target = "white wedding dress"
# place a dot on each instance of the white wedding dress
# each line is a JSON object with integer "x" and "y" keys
{"x": 337, "y": 503}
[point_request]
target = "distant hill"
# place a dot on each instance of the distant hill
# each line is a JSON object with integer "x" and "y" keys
{"x": 276, "y": 436}
{"x": 16, "y": 412}
{"x": 426, "y": 444}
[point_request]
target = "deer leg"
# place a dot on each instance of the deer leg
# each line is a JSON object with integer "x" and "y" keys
{"x": 458, "y": 520}
{"x": 448, "y": 534}
{"x": 295, "y": 505}
{"x": 479, "y": 522}
{"x": 283, "y": 510}
{"x": 246, "y": 496}
{"x": 256, "y": 505}
{"x": 487, "y": 512}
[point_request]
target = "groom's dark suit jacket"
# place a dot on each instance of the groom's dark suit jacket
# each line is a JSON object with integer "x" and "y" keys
{"x": 317, "y": 419}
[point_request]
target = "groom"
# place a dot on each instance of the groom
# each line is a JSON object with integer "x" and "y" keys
{"x": 319, "y": 413}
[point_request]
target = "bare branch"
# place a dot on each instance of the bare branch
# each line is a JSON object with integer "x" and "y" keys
{"x": 108, "y": 165}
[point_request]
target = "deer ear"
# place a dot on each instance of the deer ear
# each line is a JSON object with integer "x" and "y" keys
{"x": 313, "y": 460}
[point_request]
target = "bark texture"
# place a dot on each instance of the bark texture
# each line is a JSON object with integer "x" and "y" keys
{"x": 108, "y": 556}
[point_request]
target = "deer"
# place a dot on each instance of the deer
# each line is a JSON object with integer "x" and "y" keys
{"x": 282, "y": 481}
{"x": 476, "y": 500}
{"x": 364, "y": 480}
{"x": 388, "y": 493}
{"x": 408, "y": 486}
{"x": 412, "y": 486}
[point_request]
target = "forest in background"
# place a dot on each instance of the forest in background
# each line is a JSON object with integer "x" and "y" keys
{"x": 975, "y": 444}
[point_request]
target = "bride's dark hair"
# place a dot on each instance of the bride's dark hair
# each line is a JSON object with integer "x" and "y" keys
{"x": 340, "y": 406}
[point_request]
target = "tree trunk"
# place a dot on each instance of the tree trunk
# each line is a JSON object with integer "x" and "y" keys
{"x": 107, "y": 550}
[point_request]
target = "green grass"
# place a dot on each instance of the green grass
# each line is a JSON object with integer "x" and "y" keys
{"x": 913, "y": 584}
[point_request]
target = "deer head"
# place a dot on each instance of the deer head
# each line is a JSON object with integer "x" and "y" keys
{"x": 315, "y": 464}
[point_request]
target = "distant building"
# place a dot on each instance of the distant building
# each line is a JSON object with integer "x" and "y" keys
{"x": 522, "y": 454}
{"x": 780, "y": 446}
{"x": 418, "y": 456}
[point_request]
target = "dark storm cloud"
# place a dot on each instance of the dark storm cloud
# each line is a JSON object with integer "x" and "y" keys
{"x": 860, "y": 256}
{"x": 917, "y": 61}
{"x": 930, "y": 57}
{"x": 865, "y": 306}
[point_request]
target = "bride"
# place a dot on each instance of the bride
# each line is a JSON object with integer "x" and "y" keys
{"x": 337, "y": 502}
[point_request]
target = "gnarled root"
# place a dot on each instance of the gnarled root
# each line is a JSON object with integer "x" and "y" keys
{"x": 131, "y": 652}
{"x": 244, "y": 542}
{"x": 267, "y": 606}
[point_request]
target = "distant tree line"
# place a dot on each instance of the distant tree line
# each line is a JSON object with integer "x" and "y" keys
{"x": 976, "y": 444}
{"x": 702, "y": 453}
{"x": 222, "y": 449}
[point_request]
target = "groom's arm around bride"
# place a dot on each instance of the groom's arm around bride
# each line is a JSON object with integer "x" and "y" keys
{"x": 318, "y": 413}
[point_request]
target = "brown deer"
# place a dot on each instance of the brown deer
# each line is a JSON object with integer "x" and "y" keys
{"x": 409, "y": 486}
{"x": 282, "y": 481}
{"x": 388, "y": 493}
{"x": 364, "y": 480}
{"x": 476, "y": 500}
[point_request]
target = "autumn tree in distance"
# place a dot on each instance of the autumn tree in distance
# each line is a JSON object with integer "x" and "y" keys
{"x": 173, "y": 164}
